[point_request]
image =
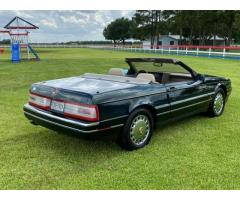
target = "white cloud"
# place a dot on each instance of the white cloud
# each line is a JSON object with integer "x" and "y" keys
{"x": 73, "y": 19}
{"x": 62, "y": 26}
{"x": 127, "y": 13}
{"x": 22, "y": 14}
{"x": 49, "y": 22}
{"x": 99, "y": 19}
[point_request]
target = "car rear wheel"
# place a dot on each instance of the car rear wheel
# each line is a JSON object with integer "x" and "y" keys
{"x": 137, "y": 131}
{"x": 217, "y": 105}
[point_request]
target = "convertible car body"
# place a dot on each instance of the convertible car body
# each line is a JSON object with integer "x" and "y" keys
{"x": 130, "y": 102}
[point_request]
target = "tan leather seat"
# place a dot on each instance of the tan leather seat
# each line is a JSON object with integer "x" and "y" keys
{"x": 146, "y": 76}
{"x": 116, "y": 72}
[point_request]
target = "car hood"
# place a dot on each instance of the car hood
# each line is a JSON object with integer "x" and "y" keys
{"x": 214, "y": 78}
{"x": 89, "y": 85}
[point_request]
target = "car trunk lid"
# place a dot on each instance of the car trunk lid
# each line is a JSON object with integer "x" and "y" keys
{"x": 79, "y": 89}
{"x": 88, "y": 85}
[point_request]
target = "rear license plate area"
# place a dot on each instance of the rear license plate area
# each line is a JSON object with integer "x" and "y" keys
{"x": 57, "y": 106}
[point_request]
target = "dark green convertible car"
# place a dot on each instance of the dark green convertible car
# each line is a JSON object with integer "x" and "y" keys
{"x": 129, "y": 102}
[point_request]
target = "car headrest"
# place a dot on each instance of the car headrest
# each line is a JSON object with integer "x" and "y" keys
{"x": 146, "y": 76}
{"x": 116, "y": 72}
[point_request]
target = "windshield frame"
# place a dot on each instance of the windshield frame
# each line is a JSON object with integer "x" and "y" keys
{"x": 134, "y": 70}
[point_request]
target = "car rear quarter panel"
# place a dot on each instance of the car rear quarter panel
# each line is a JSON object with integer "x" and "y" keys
{"x": 122, "y": 102}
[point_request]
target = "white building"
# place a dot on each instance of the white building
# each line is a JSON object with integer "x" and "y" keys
{"x": 166, "y": 40}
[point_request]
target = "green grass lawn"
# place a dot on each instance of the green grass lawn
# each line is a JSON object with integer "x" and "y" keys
{"x": 195, "y": 153}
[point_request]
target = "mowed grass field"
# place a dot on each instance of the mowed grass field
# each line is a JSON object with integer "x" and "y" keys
{"x": 194, "y": 153}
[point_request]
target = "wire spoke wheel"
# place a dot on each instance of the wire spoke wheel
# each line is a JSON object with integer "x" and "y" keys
{"x": 139, "y": 129}
{"x": 218, "y": 103}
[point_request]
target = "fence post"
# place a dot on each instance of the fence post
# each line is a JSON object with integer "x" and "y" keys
{"x": 179, "y": 50}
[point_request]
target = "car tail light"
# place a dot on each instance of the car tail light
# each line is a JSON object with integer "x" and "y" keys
{"x": 81, "y": 111}
{"x": 39, "y": 101}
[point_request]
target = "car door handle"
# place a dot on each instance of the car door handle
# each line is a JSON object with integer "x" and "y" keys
{"x": 171, "y": 89}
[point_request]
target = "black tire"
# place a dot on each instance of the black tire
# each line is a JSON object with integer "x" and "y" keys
{"x": 126, "y": 139}
{"x": 212, "y": 111}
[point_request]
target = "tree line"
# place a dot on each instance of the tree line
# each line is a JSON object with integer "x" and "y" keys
{"x": 5, "y": 41}
{"x": 201, "y": 25}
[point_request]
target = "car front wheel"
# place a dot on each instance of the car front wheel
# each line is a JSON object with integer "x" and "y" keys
{"x": 137, "y": 131}
{"x": 217, "y": 105}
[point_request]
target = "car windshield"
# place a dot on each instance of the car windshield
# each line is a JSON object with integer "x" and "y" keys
{"x": 159, "y": 67}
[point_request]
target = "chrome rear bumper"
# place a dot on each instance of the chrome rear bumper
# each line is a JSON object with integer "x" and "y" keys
{"x": 49, "y": 120}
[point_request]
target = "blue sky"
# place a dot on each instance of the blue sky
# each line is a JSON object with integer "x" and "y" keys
{"x": 61, "y": 26}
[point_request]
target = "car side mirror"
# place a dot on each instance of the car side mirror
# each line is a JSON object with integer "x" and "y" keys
{"x": 201, "y": 77}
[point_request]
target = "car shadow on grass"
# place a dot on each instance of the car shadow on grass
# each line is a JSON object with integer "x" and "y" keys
{"x": 105, "y": 142}
{"x": 48, "y": 141}
{"x": 187, "y": 121}
{"x": 60, "y": 151}
{"x": 46, "y": 146}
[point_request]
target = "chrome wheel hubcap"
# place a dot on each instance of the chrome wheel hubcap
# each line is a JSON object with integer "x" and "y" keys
{"x": 140, "y": 129}
{"x": 218, "y": 103}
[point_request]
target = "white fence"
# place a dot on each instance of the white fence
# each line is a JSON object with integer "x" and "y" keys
{"x": 228, "y": 53}
{"x": 204, "y": 51}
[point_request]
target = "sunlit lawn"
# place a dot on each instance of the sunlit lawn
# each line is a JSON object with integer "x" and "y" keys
{"x": 195, "y": 153}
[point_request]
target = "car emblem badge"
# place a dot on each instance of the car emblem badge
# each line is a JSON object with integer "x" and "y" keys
{"x": 54, "y": 92}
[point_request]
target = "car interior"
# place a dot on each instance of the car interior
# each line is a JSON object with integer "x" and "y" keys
{"x": 154, "y": 77}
